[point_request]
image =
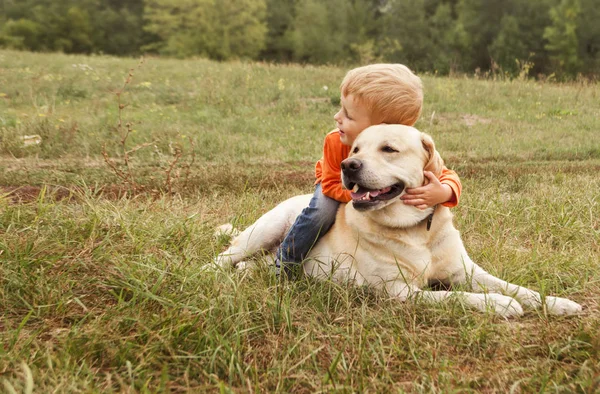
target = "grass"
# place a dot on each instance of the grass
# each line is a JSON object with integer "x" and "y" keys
{"x": 101, "y": 291}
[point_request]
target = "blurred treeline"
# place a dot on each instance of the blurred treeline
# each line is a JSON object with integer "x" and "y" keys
{"x": 513, "y": 37}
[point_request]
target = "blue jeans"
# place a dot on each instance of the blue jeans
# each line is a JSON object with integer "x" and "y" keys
{"x": 314, "y": 221}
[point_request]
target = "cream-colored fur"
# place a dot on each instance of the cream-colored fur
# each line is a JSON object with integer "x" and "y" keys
{"x": 385, "y": 243}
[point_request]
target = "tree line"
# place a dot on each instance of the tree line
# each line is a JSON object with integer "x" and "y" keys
{"x": 514, "y": 37}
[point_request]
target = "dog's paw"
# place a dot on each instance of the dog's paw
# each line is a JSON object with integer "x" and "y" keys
{"x": 226, "y": 230}
{"x": 210, "y": 267}
{"x": 497, "y": 303}
{"x": 227, "y": 259}
{"x": 220, "y": 263}
{"x": 562, "y": 306}
{"x": 244, "y": 265}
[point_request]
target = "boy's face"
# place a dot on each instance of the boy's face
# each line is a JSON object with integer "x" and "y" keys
{"x": 351, "y": 119}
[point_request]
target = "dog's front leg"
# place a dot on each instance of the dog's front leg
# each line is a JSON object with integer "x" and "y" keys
{"x": 264, "y": 234}
{"x": 481, "y": 280}
{"x": 500, "y": 304}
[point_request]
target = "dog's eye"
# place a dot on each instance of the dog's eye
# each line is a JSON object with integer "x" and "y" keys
{"x": 388, "y": 149}
{"x": 355, "y": 150}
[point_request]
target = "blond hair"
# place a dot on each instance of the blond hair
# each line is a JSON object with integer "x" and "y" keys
{"x": 391, "y": 92}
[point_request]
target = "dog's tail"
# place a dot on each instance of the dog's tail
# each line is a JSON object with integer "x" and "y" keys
{"x": 226, "y": 229}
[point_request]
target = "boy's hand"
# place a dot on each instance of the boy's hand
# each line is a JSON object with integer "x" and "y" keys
{"x": 429, "y": 195}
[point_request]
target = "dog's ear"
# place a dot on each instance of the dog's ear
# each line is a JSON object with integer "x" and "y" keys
{"x": 434, "y": 163}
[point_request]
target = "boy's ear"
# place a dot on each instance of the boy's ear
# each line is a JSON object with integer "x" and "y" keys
{"x": 434, "y": 163}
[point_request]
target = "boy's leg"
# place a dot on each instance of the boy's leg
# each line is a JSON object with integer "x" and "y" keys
{"x": 314, "y": 221}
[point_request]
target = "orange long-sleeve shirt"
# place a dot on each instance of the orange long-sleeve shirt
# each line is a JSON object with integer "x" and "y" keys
{"x": 328, "y": 172}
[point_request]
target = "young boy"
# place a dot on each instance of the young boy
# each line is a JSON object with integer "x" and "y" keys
{"x": 370, "y": 95}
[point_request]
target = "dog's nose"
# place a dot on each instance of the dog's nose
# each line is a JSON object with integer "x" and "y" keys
{"x": 351, "y": 165}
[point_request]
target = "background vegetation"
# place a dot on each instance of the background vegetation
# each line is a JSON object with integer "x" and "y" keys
{"x": 558, "y": 38}
{"x": 101, "y": 290}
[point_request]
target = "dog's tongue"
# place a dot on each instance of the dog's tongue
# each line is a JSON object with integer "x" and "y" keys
{"x": 359, "y": 194}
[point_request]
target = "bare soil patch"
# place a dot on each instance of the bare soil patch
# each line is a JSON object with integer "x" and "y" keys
{"x": 29, "y": 193}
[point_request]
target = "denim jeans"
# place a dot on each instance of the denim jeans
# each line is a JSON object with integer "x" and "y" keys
{"x": 314, "y": 222}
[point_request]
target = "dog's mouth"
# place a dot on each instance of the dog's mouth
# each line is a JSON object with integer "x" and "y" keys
{"x": 363, "y": 197}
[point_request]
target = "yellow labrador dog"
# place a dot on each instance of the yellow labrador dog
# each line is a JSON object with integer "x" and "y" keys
{"x": 380, "y": 241}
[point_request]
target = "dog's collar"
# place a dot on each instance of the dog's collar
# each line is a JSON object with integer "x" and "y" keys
{"x": 430, "y": 218}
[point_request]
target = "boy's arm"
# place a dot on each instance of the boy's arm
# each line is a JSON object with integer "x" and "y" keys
{"x": 445, "y": 190}
{"x": 331, "y": 176}
{"x": 450, "y": 178}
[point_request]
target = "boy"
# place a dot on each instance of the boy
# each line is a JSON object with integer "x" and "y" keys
{"x": 370, "y": 95}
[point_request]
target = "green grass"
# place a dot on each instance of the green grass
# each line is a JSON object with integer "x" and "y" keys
{"x": 101, "y": 293}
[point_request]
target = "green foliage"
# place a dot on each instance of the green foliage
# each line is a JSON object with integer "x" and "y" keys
{"x": 588, "y": 34}
{"x": 217, "y": 29}
{"x": 446, "y": 38}
{"x": 73, "y": 26}
{"x": 278, "y": 43}
{"x": 118, "y": 30}
{"x": 52, "y": 26}
{"x": 22, "y": 34}
{"x": 562, "y": 37}
{"x": 507, "y": 48}
{"x": 319, "y": 31}
{"x": 407, "y": 34}
{"x": 511, "y": 38}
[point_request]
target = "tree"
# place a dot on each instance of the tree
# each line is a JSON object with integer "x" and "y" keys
{"x": 563, "y": 43}
{"x": 242, "y": 27}
{"x": 448, "y": 38}
{"x": 532, "y": 18}
{"x": 364, "y": 31}
{"x": 118, "y": 27}
{"x": 220, "y": 30}
{"x": 588, "y": 33}
{"x": 407, "y": 34}
{"x": 507, "y": 49}
{"x": 279, "y": 20}
{"x": 75, "y": 32}
{"x": 319, "y": 31}
{"x": 51, "y": 25}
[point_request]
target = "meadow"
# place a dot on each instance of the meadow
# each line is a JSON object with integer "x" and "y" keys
{"x": 101, "y": 287}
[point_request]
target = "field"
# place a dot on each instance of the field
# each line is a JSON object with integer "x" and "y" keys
{"x": 100, "y": 281}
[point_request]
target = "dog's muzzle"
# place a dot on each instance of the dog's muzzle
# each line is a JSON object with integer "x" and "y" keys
{"x": 364, "y": 198}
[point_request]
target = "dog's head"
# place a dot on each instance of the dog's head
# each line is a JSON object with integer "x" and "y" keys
{"x": 385, "y": 160}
